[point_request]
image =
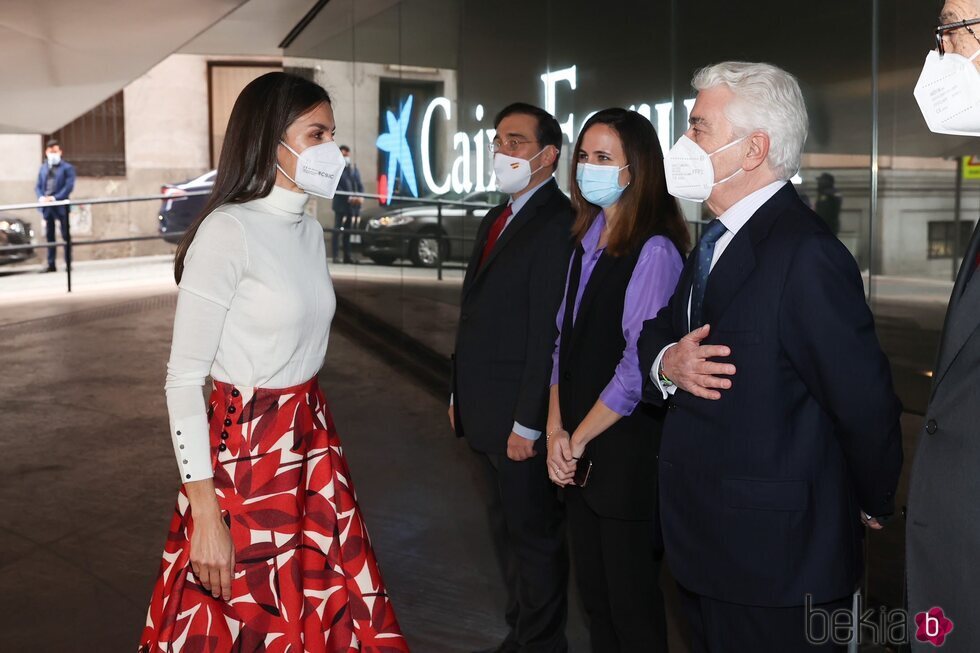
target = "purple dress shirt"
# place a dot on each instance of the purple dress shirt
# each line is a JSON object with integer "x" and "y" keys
{"x": 654, "y": 279}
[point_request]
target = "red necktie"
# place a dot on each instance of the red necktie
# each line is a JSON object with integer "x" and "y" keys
{"x": 495, "y": 230}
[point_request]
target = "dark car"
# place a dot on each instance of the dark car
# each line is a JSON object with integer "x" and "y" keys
{"x": 413, "y": 231}
{"x": 14, "y": 231}
{"x": 179, "y": 210}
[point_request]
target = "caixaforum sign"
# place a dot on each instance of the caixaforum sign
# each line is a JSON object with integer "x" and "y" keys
{"x": 469, "y": 170}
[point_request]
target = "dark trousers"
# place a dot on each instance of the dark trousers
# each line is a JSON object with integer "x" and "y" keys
{"x": 722, "y": 627}
{"x": 527, "y": 522}
{"x": 50, "y": 217}
{"x": 618, "y": 572}
{"x": 343, "y": 221}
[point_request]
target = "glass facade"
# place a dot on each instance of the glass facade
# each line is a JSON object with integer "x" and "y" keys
{"x": 416, "y": 84}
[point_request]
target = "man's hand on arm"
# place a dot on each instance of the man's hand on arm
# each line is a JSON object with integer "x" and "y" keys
{"x": 688, "y": 366}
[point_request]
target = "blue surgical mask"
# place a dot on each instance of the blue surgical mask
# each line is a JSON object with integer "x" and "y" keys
{"x": 599, "y": 184}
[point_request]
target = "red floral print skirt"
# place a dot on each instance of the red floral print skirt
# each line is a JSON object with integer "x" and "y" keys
{"x": 306, "y": 579}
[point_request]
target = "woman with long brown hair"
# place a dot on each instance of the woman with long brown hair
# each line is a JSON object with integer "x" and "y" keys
{"x": 602, "y": 442}
{"x": 267, "y": 549}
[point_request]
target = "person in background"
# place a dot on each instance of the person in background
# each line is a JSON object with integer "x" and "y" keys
{"x": 501, "y": 366}
{"x": 828, "y": 202}
{"x": 630, "y": 235}
{"x": 346, "y": 208}
{"x": 55, "y": 182}
{"x": 942, "y": 529}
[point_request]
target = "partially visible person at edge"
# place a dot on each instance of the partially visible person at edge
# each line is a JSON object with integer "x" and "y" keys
{"x": 630, "y": 234}
{"x": 943, "y": 518}
{"x": 255, "y": 559}
{"x": 501, "y": 366}
{"x": 55, "y": 182}
{"x": 766, "y": 477}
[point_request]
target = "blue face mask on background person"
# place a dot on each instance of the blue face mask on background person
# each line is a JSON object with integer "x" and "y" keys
{"x": 599, "y": 185}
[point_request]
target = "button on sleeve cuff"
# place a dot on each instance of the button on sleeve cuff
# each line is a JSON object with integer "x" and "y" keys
{"x": 193, "y": 448}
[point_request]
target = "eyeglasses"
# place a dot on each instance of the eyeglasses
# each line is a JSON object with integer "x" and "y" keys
{"x": 510, "y": 145}
{"x": 942, "y": 30}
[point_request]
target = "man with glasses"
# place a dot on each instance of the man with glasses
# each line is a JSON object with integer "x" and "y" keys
{"x": 501, "y": 369}
{"x": 943, "y": 517}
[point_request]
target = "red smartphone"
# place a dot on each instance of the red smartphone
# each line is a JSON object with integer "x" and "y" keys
{"x": 582, "y": 472}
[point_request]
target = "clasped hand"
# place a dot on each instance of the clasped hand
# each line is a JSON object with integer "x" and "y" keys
{"x": 563, "y": 455}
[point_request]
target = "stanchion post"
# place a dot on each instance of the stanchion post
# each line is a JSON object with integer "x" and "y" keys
{"x": 68, "y": 252}
{"x": 439, "y": 242}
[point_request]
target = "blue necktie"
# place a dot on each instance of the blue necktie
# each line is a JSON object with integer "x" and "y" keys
{"x": 706, "y": 248}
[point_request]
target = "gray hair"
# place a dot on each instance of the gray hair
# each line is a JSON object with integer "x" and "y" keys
{"x": 766, "y": 99}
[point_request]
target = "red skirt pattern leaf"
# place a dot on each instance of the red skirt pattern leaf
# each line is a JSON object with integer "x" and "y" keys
{"x": 306, "y": 578}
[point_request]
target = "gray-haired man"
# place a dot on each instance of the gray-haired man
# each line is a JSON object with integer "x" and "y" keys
{"x": 783, "y": 430}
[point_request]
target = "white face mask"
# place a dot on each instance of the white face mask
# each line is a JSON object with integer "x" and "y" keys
{"x": 513, "y": 174}
{"x": 53, "y": 159}
{"x": 948, "y": 93}
{"x": 318, "y": 168}
{"x": 690, "y": 174}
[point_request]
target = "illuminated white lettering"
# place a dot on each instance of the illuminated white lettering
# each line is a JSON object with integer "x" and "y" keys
{"x": 551, "y": 80}
{"x": 461, "y": 166}
{"x": 434, "y": 186}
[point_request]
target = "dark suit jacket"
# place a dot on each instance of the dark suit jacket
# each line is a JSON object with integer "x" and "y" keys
{"x": 507, "y": 328}
{"x": 943, "y": 520}
{"x": 64, "y": 184}
{"x": 760, "y": 490}
{"x": 350, "y": 182}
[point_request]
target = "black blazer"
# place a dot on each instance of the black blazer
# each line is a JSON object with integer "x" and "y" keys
{"x": 943, "y": 522}
{"x": 760, "y": 490}
{"x": 623, "y": 482}
{"x": 350, "y": 182}
{"x": 506, "y": 333}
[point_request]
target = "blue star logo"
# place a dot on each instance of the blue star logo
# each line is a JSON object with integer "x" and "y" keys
{"x": 395, "y": 143}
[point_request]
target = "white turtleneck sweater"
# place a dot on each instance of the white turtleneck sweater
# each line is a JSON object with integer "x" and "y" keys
{"x": 253, "y": 310}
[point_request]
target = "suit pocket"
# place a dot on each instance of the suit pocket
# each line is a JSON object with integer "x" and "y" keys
{"x": 758, "y": 494}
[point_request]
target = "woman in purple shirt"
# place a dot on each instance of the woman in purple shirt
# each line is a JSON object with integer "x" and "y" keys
{"x": 602, "y": 443}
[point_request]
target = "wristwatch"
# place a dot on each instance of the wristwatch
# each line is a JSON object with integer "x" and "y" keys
{"x": 664, "y": 381}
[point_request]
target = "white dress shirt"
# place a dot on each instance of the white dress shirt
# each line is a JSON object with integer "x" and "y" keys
{"x": 736, "y": 217}
{"x": 253, "y": 310}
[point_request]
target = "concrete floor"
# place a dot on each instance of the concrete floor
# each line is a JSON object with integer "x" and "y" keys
{"x": 88, "y": 481}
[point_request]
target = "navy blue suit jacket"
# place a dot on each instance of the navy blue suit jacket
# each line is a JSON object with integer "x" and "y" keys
{"x": 64, "y": 184}
{"x": 350, "y": 182}
{"x": 761, "y": 489}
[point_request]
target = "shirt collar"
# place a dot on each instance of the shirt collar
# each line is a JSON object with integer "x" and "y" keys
{"x": 738, "y": 214}
{"x": 590, "y": 242}
{"x": 285, "y": 203}
{"x": 518, "y": 204}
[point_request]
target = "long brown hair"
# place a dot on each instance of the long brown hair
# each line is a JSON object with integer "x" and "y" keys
{"x": 247, "y": 167}
{"x": 645, "y": 208}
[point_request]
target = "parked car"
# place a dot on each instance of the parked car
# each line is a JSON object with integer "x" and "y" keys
{"x": 14, "y": 231}
{"x": 179, "y": 210}
{"x": 413, "y": 231}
